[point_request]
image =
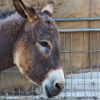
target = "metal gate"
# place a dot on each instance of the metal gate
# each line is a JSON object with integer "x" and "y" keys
{"x": 81, "y": 84}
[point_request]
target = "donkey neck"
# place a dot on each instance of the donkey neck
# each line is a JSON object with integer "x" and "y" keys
{"x": 10, "y": 30}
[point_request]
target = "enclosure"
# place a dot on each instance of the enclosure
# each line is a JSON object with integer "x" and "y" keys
{"x": 78, "y": 22}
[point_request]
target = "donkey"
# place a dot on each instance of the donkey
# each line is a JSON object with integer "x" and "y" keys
{"x": 31, "y": 40}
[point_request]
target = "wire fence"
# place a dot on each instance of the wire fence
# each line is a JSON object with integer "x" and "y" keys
{"x": 82, "y": 76}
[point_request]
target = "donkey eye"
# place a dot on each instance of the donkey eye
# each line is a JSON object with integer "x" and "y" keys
{"x": 44, "y": 44}
{"x": 48, "y": 22}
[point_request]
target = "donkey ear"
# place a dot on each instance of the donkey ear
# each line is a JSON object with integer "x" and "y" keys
{"x": 25, "y": 10}
{"x": 49, "y": 9}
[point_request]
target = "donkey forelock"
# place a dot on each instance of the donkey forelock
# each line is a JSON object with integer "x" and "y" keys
{"x": 6, "y": 14}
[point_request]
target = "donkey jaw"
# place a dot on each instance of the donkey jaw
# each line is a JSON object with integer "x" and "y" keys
{"x": 54, "y": 83}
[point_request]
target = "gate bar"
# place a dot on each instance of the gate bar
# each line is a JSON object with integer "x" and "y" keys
{"x": 77, "y": 19}
{"x": 80, "y": 30}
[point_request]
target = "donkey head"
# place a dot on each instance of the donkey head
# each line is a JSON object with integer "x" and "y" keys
{"x": 37, "y": 50}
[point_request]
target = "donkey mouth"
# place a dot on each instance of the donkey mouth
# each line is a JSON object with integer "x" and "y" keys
{"x": 48, "y": 93}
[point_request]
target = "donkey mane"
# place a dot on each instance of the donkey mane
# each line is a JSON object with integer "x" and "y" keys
{"x": 6, "y": 14}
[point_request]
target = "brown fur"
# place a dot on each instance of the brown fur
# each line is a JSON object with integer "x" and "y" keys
{"x": 9, "y": 32}
{"x": 19, "y": 35}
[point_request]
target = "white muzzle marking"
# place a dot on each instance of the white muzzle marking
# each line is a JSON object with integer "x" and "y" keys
{"x": 54, "y": 76}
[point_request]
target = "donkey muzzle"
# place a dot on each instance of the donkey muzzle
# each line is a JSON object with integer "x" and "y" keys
{"x": 54, "y": 90}
{"x": 54, "y": 83}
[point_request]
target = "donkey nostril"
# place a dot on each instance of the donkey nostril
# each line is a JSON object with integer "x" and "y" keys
{"x": 57, "y": 86}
